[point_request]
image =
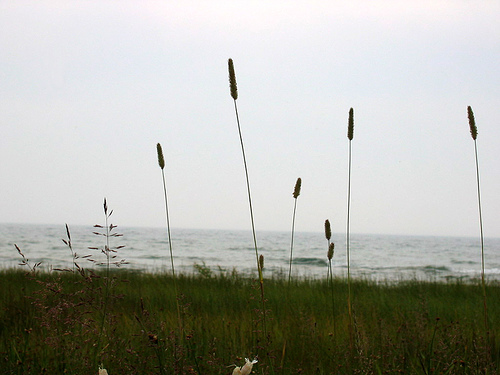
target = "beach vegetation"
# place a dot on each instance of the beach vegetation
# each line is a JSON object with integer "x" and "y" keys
{"x": 51, "y": 321}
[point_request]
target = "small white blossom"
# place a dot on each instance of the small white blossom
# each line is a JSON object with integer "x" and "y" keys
{"x": 246, "y": 369}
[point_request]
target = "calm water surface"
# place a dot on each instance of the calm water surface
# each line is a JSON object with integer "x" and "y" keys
{"x": 378, "y": 257}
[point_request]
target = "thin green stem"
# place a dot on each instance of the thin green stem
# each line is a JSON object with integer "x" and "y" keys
{"x": 296, "y": 193}
{"x": 349, "y": 304}
{"x": 348, "y": 216}
{"x": 248, "y": 191}
{"x": 168, "y": 227}
{"x": 483, "y": 282}
{"x": 330, "y": 279}
{"x": 291, "y": 244}
{"x": 107, "y": 285}
{"x": 107, "y": 252}
{"x": 171, "y": 251}
{"x": 259, "y": 268}
{"x": 234, "y": 95}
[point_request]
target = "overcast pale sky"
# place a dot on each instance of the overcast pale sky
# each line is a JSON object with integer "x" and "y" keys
{"x": 87, "y": 89}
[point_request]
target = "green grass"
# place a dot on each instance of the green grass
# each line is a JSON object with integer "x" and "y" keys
{"x": 50, "y": 324}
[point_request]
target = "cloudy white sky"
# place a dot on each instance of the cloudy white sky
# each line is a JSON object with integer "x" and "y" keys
{"x": 87, "y": 89}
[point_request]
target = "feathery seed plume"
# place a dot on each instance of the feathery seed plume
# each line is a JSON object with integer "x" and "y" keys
{"x": 350, "y": 127}
{"x": 161, "y": 161}
{"x": 328, "y": 230}
{"x": 232, "y": 80}
{"x": 296, "y": 191}
{"x": 472, "y": 123}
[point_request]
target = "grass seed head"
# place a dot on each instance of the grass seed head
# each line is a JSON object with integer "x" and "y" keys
{"x": 350, "y": 127}
{"x": 161, "y": 161}
{"x": 232, "y": 80}
{"x": 331, "y": 247}
{"x": 328, "y": 230}
{"x": 296, "y": 191}
{"x": 472, "y": 123}
{"x": 261, "y": 261}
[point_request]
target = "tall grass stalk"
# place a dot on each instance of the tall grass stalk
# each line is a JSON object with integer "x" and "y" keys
{"x": 234, "y": 94}
{"x": 107, "y": 287}
{"x": 473, "y": 132}
{"x": 329, "y": 277}
{"x": 161, "y": 163}
{"x": 296, "y": 193}
{"x": 350, "y": 136}
{"x": 328, "y": 236}
{"x": 70, "y": 246}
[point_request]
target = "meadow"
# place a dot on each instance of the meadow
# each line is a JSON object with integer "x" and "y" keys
{"x": 52, "y": 322}
{"x": 82, "y": 321}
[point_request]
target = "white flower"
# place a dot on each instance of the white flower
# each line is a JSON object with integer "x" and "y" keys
{"x": 103, "y": 371}
{"x": 246, "y": 369}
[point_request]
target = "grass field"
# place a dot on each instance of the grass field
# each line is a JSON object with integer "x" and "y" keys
{"x": 63, "y": 322}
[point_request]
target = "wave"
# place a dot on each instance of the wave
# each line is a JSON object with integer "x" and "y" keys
{"x": 430, "y": 268}
{"x": 310, "y": 261}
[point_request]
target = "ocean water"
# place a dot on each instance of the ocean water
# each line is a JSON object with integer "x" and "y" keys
{"x": 376, "y": 257}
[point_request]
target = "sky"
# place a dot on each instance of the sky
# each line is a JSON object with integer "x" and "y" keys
{"x": 88, "y": 88}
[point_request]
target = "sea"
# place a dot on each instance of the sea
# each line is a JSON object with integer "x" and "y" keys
{"x": 372, "y": 256}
